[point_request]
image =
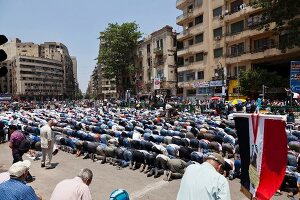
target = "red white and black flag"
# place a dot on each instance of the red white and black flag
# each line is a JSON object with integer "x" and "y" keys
{"x": 263, "y": 151}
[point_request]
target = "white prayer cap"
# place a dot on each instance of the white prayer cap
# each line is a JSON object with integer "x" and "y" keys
{"x": 19, "y": 168}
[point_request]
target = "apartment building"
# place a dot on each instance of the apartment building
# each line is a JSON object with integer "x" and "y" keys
{"x": 39, "y": 71}
{"x": 200, "y": 49}
{"x": 156, "y": 63}
{"x": 219, "y": 40}
{"x": 101, "y": 87}
{"x": 248, "y": 48}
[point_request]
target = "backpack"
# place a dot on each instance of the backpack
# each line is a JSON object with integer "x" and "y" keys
{"x": 119, "y": 194}
{"x": 24, "y": 145}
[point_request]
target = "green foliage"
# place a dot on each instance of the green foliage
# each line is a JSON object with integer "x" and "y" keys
{"x": 251, "y": 81}
{"x": 286, "y": 15}
{"x": 117, "y": 49}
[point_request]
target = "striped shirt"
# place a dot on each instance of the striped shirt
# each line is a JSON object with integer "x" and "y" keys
{"x": 16, "y": 189}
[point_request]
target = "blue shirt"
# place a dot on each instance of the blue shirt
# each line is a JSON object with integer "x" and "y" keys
{"x": 15, "y": 189}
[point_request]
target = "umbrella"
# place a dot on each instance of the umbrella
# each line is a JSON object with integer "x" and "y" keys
{"x": 237, "y": 101}
{"x": 215, "y": 98}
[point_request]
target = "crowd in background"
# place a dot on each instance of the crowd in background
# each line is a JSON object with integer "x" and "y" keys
{"x": 157, "y": 141}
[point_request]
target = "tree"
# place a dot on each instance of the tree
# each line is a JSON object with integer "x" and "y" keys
{"x": 251, "y": 81}
{"x": 286, "y": 15}
{"x": 116, "y": 52}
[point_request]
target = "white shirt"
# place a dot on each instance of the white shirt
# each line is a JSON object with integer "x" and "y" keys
{"x": 71, "y": 189}
{"x": 46, "y": 135}
{"x": 136, "y": 135}
{"x": 203, "y": 181}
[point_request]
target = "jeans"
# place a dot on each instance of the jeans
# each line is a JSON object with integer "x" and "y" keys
{"x": 172, "y": 151}
{"x": 203, "y": 146}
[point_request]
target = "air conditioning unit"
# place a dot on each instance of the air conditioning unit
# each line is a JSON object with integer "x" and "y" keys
{"x": 226, "y": 12}
{"x": 218, "y": 38}
{"x": 221, "y": 17}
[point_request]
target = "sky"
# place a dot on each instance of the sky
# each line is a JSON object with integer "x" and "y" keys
{"x": 77, "y": 23}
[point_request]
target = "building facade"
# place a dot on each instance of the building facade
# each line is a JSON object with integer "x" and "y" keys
{"x": 39, "y": 71}
{"x": 200, "y": 49}
{"x": 246, "y": 47}
{"x": 219, "y": 40}
{"x": 156, "y": 65}
{"x": 100, "y": 87}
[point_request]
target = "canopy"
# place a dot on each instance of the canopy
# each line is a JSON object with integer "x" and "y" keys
{"x": 216, "y": 98}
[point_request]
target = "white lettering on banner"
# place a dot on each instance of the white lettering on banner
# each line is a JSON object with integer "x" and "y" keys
{"x": 215, "y": 83}
{"x": 200, "y": 84}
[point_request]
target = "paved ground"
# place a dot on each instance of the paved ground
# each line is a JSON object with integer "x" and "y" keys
{"x": 106, "y": 179}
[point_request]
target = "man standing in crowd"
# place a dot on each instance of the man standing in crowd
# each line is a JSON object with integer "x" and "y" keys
{"x": 205, "y": 180}
{"x": 15, "y": 187}
{"x": 15, "y": 140}
{"x": 76, "y": 188}
{"x": 47, "y": 144}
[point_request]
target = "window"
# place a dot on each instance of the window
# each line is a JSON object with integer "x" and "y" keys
{"x": 218, "y": 32}
{"x": 148, "y": 48}
{"x": 199, "y": 56}
{"x": 149, "y": 62}
{"x": 263, "y": 44}
{"x": 241, "y": 69}
{"x": 161, "y": 43}
{"x": 199, "y": 38}
{"x": 180, "y": 77}
{"x": 191, "y": 42}
{"x": 191, "y": 24}
{"x": 191, "y": 59}
{"x": 218, "y": 52}
{"x": 237, "y": 49}
{"x": 199, "y": 20}
{"x": 217, "y": 11}
{"x": 285, "y": 41}
{"x": 200, "y": 75}
{"x": 237, "y": 27}
{"x": 191, "y": 92}
{"x": 236, "y": 6}
{"x": 149, "y": 76}
{"x": 160, "y": 73}
{"x": 190, "y": 76}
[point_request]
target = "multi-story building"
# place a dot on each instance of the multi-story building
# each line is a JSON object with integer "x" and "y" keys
{"x": 219, "y": 40}
{"x": 200, "y": 49}
{"x": 100, "y": 87}
{"x": 6, "y": 81}
{"x": 39, "y": 71}
{"x": 156, "y": 63}
{"x": 246, "y": 47}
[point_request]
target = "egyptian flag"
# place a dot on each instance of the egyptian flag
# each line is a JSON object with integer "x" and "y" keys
{"x": 263, "y": 151}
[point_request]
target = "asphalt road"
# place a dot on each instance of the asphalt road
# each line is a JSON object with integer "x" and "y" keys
{"x": 106, "y": 178}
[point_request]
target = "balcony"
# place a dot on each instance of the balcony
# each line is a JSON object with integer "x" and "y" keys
{"x": 249, "y": 31}
{"x": 180, "y": 4}
{"x": 260, "y": 53}
{"x": 159, "y": 63}
{"x": 158, "y": 51}
{"x": 184, "y": 34}
{"x": 182, "y": 19}
{"x": 240, "y": 13}
{"x": 185, "y": 51}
